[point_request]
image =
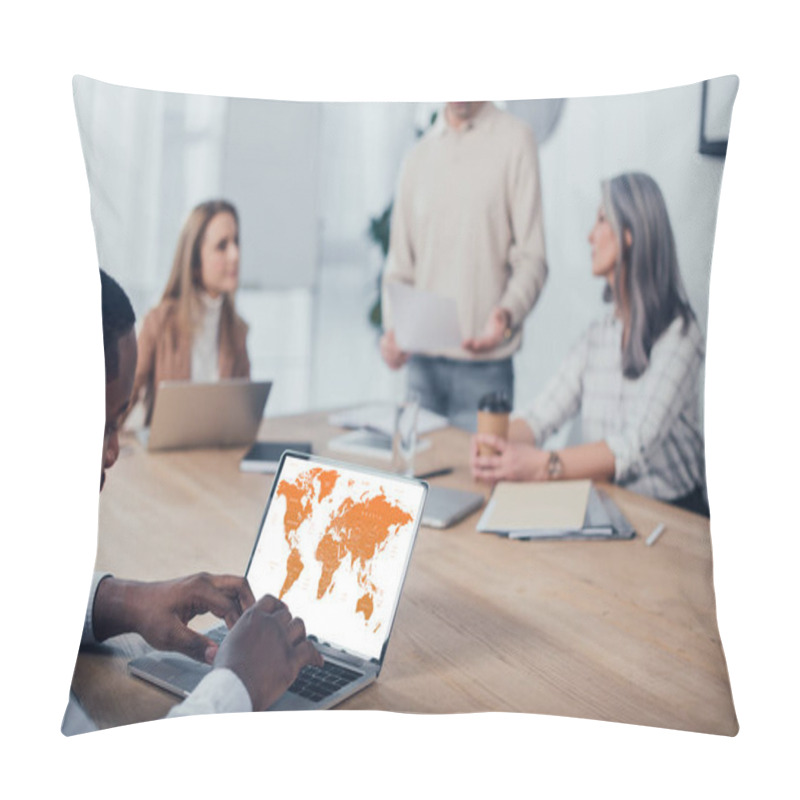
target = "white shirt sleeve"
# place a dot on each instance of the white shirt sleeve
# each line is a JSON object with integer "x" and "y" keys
{"x": 87, "y": 637}
{"x": 76, "y": 720}
{"x": 220, "y": 692}
{"x": 560, "y": 400}
{"x": 666, "y": 387}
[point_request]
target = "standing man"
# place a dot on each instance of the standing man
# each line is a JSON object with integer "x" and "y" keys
{"x": 467, "y": 224}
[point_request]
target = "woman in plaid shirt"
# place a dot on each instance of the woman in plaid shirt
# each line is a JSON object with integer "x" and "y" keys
{"x": 633, "y": 376}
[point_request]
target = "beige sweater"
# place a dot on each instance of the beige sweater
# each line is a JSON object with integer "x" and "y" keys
{"x": 467, "y": 223}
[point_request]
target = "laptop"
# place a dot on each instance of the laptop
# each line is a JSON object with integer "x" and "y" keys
{"x": 334, "y": 544}
{"x": 445, "y": 507}
{"x": 222, "y": 414}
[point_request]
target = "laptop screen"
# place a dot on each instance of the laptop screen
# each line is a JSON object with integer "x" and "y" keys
{"x": 334, "y": 546}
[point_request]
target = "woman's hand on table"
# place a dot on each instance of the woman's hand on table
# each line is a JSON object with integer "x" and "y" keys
{"x": 510, "y": 461}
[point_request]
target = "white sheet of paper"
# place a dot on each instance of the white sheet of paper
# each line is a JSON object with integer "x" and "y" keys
{"x": 423, "y": 322}
{"x": 380, "y": 417}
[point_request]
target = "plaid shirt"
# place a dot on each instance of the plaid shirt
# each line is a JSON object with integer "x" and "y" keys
{"x": 651, "y": 424}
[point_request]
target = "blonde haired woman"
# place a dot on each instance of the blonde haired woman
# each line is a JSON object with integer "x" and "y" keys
{"x": 195, "y": 333}
{"x": 633, "y": 377}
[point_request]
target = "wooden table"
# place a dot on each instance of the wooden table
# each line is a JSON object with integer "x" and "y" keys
{"x": 605, "y": 630}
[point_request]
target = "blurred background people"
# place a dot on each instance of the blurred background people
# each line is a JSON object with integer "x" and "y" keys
{"x": 318, "y": 176}
{"x": 195, "y": 333}
{"x": 633, "y": 377}
{"x": 467, "y": 224}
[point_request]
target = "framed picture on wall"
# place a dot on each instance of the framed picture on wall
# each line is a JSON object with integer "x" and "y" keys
{"x": 715, "y": 115}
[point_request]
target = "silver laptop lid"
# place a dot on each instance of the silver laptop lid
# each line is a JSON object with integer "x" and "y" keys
{"x": 222, "y": 414}
{"x": 334, "y": 545}
{"x": 445, "y": 507}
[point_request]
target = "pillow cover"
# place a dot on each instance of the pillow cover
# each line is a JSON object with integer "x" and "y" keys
{"x": 617, "y": 631}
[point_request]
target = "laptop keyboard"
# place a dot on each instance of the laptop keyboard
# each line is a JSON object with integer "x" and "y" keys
{"x": 313, "y": 683}
{"x": 317, "y": 683}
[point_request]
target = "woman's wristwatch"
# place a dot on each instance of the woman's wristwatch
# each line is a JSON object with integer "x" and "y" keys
{"x": 555, "y": 466}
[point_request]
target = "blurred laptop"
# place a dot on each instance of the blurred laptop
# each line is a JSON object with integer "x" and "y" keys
{"x": 222, "y": 414}
{"x": 445, "y": 507}
{"x": 351, "y": 531}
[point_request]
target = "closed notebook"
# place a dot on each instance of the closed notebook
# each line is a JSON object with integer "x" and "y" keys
{"x": 552, "y": 506}
{"x": 604, "y": 520}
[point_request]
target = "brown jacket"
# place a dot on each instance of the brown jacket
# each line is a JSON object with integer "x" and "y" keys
{"x": 158, "y": 360}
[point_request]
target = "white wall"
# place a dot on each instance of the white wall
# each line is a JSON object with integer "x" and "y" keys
{"x": 597, "y": 138}
{"x": 361, "y": 148}
{"x": 150, "y": 156}
{"x": 270, "y": 171}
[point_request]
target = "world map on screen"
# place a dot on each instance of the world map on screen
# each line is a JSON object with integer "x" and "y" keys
{"x": 348, "y": 535}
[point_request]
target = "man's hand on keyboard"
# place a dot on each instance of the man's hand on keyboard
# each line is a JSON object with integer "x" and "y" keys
{"x": 266, "y": 648}
{"x": 160, "y": 611}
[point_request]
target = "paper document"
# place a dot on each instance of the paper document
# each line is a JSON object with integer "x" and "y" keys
{"x": 423, "y": 322}
{"x": 380, "y": 417}
{"x": 370, "y": 443}
{"x": 550, "y": 506}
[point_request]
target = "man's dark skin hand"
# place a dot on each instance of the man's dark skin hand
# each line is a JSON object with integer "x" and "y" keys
{"x": 160, "y": 611}
{"x": 266, "y": 649}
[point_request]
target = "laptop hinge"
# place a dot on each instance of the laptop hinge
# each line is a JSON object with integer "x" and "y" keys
{"x": 350, "y": 659}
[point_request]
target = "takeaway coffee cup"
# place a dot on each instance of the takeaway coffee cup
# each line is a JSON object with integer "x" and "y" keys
{"x": 493, "y": 412}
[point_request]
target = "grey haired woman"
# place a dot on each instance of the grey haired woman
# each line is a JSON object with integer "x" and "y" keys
{"x": 633, "y": 376}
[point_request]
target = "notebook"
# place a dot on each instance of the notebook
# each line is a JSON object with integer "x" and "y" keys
{"x": 554, "y": 510}
{"x": 226, "y": 413}
{"x": 334, "y": 544}
{"x": 548, "y": 505}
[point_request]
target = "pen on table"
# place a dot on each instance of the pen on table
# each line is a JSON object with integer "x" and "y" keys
{"x": 657, "y": 531}
{"x": 435, "y": 474}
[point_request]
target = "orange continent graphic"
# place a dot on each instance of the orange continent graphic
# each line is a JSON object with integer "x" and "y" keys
{"x": 301, "y": 496}
{"x": 364, "y": 605}
{"x": 330, "y": 553}
{"x": 360, "y": 528}
{"x": 294, "y": 566}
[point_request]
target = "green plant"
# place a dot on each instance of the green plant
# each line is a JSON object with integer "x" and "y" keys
{"x": 379, "y": 228}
